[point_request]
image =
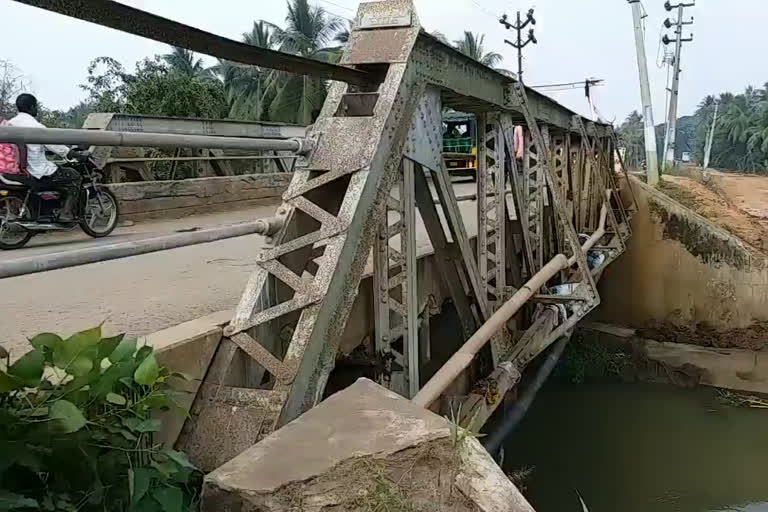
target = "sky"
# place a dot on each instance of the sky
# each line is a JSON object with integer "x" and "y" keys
{"x": 576, "y": 40}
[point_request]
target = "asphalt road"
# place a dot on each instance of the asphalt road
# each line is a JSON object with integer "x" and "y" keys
{"x": 145, "y": 293}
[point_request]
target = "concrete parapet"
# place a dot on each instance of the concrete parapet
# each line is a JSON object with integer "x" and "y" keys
{"x": 363, "y": 448}
{"x": 187, "y": 348}
{"x": 685, "y": 279}
{"x": 151, "y": 199}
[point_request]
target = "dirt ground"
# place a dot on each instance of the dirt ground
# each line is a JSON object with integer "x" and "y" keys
{"x": 736, "y": 202}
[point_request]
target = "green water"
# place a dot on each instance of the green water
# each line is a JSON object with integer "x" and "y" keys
{"x": 641, "y": 448}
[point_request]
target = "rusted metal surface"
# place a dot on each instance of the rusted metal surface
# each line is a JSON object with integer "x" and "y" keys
{"x": 358, "y": 189}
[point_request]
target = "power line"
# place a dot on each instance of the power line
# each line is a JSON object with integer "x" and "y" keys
{"x": 580, "y": 83}
{"x": 484, "y": 10}
{"x": 332, "y": 12}
{"x": 339, "y": 5}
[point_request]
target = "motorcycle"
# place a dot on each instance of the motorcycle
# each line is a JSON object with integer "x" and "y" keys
{"x": 29, "y": 207}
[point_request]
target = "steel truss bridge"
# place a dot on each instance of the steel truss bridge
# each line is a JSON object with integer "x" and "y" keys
{"x": 358, "y": 190}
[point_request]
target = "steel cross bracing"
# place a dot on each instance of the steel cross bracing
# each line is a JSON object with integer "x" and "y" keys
{"x": 582, "y": 294}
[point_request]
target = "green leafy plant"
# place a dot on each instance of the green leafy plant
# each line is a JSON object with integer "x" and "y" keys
{"x": 77, "y": 417}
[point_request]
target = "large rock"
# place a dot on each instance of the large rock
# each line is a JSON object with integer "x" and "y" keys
{"x": 364, "y": 448}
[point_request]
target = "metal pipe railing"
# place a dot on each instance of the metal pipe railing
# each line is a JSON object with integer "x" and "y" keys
{"x": 461, "y": 360}
{"x": 45, "y": 262}
{"x": 19, "y": 135}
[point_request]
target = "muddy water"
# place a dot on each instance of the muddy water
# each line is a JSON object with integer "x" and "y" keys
{"x": 641, "y": 448}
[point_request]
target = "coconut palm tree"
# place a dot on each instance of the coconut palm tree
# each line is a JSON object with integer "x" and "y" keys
{"x": 183, "y": 61}
{"x": 472, "y": 45}
{"x": 244, "y": 85}
{"x": 309, "y": 30}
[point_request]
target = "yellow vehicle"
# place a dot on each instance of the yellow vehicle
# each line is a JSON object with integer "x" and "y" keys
{"x": 460, "y": 144}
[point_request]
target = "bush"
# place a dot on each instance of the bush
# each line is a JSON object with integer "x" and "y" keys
{"x": 76, "y": 424}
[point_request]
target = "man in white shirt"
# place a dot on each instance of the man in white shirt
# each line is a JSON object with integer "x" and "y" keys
{"x": 60, "y": 178}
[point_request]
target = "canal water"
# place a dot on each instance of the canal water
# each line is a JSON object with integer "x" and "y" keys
{"x": 641, "y": 448}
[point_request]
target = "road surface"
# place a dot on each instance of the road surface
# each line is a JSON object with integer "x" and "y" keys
{"x": 145, "y": 293}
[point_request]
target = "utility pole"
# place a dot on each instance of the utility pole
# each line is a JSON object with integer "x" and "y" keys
{"x": 651, "y": 157}
{"x": 520, "y": 44}
{"x": 708, "y": 151}
{"x": 670, "y": 137}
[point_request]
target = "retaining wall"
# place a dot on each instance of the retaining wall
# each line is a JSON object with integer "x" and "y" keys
{"x": 686, "y": 279}
{"x": 151, "y": 199}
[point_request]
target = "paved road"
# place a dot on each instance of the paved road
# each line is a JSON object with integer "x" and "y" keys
{"x": 141, "y": 294}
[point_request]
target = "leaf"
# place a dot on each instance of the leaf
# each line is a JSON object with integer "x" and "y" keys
{"x": 148, "y": 371}
{"x": 148, "y": 504}
{"x": 108, "y": 345}
{"x": 141, "y": 426}
{"x": 124, "y": 349}
{"x": 143, "y": 352}
{"x": 69, "y": 417}
{"x": 9, "y": 383}
{"x": 106, "y": 383}
{"x": 116, "y": 399}
{"x": 140, "y": 479}
{"x": 46, "y": 340}
{"x": 171, "y": 499}
{"x": 157, "y": 400}
{"x": 179, "y": 458}
{"x": 11, "y": 501}
{"x": 29, "y": 368}
{"x": 76, "y": 354}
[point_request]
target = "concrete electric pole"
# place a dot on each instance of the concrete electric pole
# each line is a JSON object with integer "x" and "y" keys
{"x": 651, "y": 157}
{"x": 708, "y": 150}
{"x": 670, "y": 136}
{"x": 520, "y": 44}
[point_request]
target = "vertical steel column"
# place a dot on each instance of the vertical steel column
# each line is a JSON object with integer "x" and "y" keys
{"x": 491, "y": 219}
{"x": 483, "y": 178}
{"x": 396, "y": 299}
{"x": 533, "y": 192}
{"x": 410, "y": 294}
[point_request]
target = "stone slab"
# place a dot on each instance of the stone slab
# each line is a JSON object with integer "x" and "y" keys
{"x": 344, "y": 440}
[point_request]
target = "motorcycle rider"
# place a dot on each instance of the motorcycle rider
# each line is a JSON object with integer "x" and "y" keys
{"x": 58, "y": 178}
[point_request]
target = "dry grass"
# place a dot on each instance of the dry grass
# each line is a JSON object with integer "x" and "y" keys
{"x": 742, "y": 400}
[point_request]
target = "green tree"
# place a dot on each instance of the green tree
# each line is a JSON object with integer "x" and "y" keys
{"x": 243, "y": 84}
{"x": 105, "y": 84}
{"x": 472, "y": 45}
{"x": 741, "y": 135}
{"x": 309, "y": 29}
{"x": 184, "y": 62}
{"x": 631, "y": 135}
{"x": 156, "y": 90}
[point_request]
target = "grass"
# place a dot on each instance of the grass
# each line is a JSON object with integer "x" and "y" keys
{"x": 586, "y": 359}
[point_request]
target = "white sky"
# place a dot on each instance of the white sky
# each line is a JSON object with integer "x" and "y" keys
{"x": 577, "y": 39}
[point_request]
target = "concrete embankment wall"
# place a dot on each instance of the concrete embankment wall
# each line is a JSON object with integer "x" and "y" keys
{"x": 168, "y": 199}
{"x": 686, "y": 279}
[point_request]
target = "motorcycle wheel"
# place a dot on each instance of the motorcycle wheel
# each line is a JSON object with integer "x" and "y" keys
{"x": 12, "y": 237}
{"x": 101, "y": 213}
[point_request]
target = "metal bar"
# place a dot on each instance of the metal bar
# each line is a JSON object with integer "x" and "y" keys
{"x": 33, "y": 264}
{"x": 410, "y": 292}
{"x": 461, "y": 360}
{"x": 141, "y": 23}
{"x": 19, "y": 135}
{"x": 446, "y": 256}
{"x": 195, "y": 158}
{"x": 458, "y": 231}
